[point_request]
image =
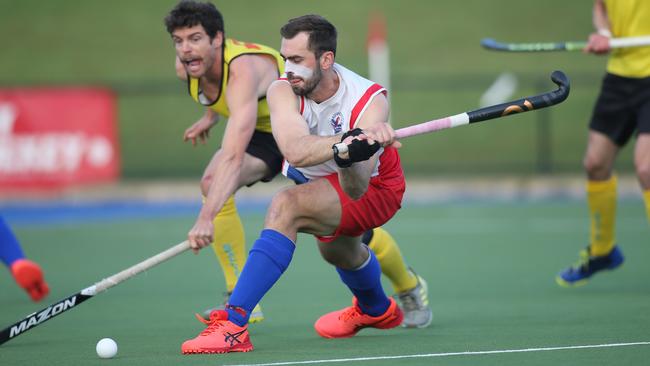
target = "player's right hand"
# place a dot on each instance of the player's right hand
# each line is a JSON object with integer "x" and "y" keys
{"x": 201, "y": 235}
{"x": 597, "y": 44}
{"x": 382, "y": 133}
{"x": 199, "y": 130}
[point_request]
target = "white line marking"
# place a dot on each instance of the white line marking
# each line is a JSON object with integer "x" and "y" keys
{"x": 466, "y": 353}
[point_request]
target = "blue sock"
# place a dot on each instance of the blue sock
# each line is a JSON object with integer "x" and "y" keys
{"x": 10, "y": 250}
{"x": 267, "y": 260}
{"x": 365, "y": 284}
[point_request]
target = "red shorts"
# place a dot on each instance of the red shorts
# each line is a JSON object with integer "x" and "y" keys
{"x": 378, "y": 205}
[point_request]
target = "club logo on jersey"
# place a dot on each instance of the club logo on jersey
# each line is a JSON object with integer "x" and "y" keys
{"x": 337, "y": 122}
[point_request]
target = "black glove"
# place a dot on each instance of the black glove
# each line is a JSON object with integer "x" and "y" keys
{"x": 354, "y": 132}
{"x": 358, "y": 150}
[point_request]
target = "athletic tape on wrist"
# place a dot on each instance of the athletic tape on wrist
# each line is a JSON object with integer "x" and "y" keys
{"x": 342, "y": 163}
{"x": 605, "y": 32}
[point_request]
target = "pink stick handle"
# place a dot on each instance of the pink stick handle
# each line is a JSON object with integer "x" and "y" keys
{"x": 420, "y": 128}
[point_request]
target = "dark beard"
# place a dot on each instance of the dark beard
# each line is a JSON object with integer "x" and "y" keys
{"x": 309, "y": 85}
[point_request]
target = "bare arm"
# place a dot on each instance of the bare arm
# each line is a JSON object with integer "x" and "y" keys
{"x": 600, "y": 18}
{"x": 299, "y": 147}
{"x": 599, "y": 40}
{"x": 354, "y": 180}
{"x": 241, "y": 95}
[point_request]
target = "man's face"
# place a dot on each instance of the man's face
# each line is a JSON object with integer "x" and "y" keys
{"x": 195, "y": 50}
{"x": 302, "y": 68}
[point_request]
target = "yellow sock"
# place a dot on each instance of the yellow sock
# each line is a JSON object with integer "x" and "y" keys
{"x": 391, "y": 261}
{"x": 229, "y": 244}
{"x": 646, "y": 199}
{"x": 601, "y": 198}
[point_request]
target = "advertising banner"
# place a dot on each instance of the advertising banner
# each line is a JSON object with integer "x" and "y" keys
{"x": 51, "y": 138}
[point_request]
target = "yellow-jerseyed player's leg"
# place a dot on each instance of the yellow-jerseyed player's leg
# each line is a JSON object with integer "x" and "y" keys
{"x": 229, "y": 244}
{"x": 646, "y": 199}
{"x": 601, "y": 198}
{"x": 391, "y": 261}
{"x": 411, "y": 289}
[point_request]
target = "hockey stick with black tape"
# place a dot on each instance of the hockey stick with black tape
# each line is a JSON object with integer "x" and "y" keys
{"x": 624, "y": 42}
{"x": 39, "y": 317}
{"x": 487, "y": 113}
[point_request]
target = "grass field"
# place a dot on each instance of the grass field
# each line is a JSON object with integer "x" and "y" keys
{"x": 490, "y": 268}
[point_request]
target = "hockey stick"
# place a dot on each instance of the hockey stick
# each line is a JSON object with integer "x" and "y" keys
{"x": 490, "y": 112}
{"x": 39, "y": 317}
{"x": 493, "y": 45}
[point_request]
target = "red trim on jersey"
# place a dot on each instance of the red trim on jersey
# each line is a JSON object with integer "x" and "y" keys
{"x": 285, "y": 79}
{"x": 361, "y": 104}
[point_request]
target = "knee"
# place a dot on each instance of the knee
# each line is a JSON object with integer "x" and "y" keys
{"x": 595, "y": 167}
{"x": 283, "y": 209}
{"x": 642, "y": 168}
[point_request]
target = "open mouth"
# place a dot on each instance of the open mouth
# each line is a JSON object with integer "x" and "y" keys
{"x": 192, "y": 64}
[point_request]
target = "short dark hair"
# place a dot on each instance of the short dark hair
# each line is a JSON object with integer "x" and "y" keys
{"x": 322, "y": 33}
{"x": 189, "y": 13}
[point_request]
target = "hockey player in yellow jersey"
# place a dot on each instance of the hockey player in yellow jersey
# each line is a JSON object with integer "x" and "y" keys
{"x": 230, "y": 78}
{"x": 622, "y": 109}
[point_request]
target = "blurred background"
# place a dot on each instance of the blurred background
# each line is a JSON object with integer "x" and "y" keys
{"x": 437, "y": 69}
{"x": 90, "y": 103}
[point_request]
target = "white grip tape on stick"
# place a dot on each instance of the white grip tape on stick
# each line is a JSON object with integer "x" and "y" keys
{"x": 629, "y": 42}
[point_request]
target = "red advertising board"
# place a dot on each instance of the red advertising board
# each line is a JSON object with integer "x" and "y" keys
{"x": 56, "y": 137}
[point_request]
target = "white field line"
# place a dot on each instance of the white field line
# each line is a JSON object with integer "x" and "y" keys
{"x": 449, "y": 354}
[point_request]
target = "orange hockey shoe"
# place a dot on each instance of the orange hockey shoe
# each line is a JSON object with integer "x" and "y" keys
{"x": 29, "y": 276}
{"x": 347, "y": 322}
{"x": 221, "y": 336}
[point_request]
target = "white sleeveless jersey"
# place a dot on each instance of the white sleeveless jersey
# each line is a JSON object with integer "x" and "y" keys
{"x": 338, "y": 114}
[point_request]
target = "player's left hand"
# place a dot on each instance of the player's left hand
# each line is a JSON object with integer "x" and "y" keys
{"x": 201, "y": 235}
{"x": 200, "y": 130}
